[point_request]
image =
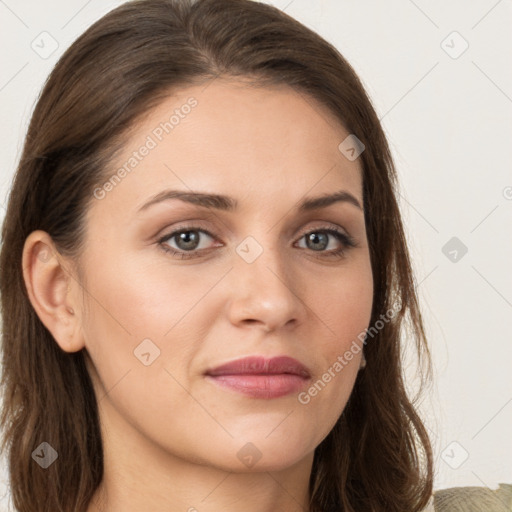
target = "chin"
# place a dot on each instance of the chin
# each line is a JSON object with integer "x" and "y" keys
{"x": 255, "y": 453}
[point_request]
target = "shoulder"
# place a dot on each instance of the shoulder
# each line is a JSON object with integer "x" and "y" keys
{"x": 472, "y": 499}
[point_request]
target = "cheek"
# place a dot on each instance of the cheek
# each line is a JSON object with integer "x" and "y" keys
{"x": 346, "y": 304}
{"x": 345, "y": 312}
{"x": 135, "y": 309}
{"x": 133, "y": 300}
{"x": 141, "y": 341}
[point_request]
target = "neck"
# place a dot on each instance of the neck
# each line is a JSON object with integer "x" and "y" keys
{"x": 140, "y": 475}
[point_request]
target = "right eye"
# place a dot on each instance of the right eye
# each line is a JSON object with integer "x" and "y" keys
{"x": 187, "y": 239}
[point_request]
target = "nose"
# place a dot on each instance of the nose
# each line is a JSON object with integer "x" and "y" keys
{"x": 263, "y": 289}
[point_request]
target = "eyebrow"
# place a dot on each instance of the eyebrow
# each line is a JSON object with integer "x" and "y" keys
{"x": 226, "y": 203}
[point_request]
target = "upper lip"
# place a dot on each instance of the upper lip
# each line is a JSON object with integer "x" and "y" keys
{"x": 258, "y": 365}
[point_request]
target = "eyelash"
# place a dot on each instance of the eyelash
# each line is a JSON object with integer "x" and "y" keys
{"x": 346, "y": 240}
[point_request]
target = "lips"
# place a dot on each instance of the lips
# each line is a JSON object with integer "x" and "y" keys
{"x": 259, "y": 377}
{"x": 261, "y": 366}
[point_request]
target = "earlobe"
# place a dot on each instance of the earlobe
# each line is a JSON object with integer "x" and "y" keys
{"x": 49, "y": 286}
{"x": 363, "y": 361}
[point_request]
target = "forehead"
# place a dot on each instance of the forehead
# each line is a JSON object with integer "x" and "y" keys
{"x": 259, "y": 144}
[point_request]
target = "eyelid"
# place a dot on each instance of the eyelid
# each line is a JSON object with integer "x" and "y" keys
{"x": 188, "y": 225}
{"x": 192, "y": 225}
{"x": 326, "y": 226}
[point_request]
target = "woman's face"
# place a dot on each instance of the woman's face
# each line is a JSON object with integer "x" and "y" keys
{"x": 255, "y": 279}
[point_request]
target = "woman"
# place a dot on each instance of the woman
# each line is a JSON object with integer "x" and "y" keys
{"x": 173, "y": 339}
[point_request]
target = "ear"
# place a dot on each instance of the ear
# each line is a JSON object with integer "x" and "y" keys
{"x": 52, "y": 290}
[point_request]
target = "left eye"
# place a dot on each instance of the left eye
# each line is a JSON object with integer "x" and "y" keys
{"x": 321, "y": 237}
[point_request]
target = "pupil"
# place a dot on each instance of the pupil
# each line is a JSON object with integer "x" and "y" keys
{"x": 190, "y": 239}
{"x": 315, "y": 237}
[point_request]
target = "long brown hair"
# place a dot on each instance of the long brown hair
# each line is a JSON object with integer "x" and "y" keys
{"x": 378, "y": 456}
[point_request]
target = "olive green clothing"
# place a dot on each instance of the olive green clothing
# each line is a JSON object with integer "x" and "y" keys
{"x": 472, "y": 499}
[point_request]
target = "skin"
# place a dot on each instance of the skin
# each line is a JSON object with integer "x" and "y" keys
{"x": 170, "y": 436}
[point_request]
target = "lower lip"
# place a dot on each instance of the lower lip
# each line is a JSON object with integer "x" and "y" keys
{"x": 262, "y": 386}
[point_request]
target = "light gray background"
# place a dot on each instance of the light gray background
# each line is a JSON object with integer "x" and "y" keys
{"x": 448, "y": 118}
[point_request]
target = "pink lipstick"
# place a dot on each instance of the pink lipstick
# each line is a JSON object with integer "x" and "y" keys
{"x": 259, "y": 377}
